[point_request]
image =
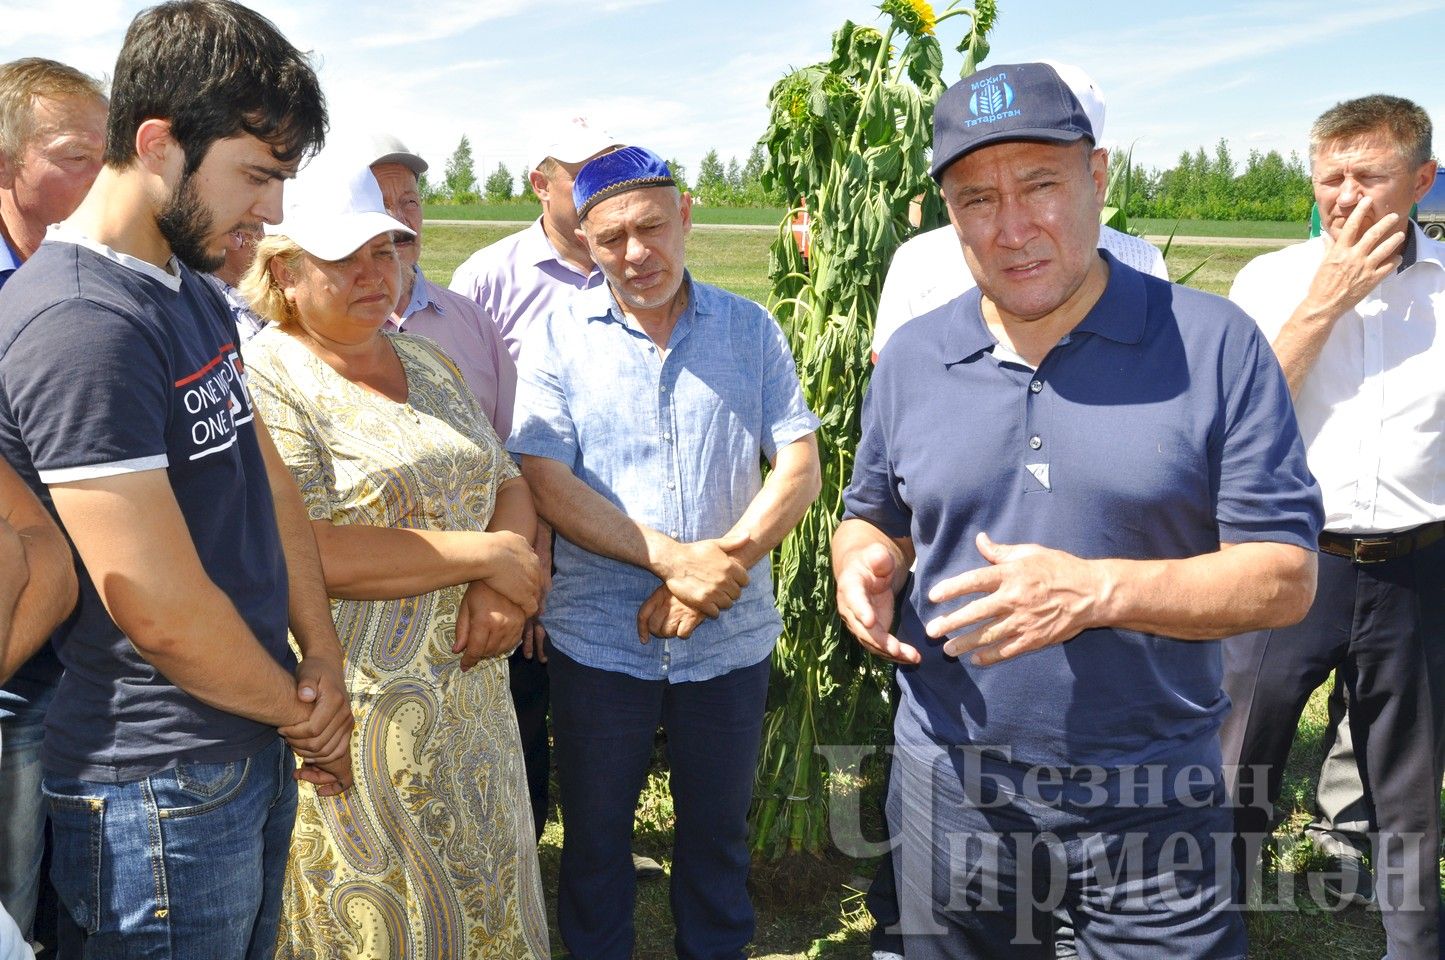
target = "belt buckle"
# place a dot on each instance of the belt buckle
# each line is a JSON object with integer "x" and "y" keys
{"x": 1373, "y": 549}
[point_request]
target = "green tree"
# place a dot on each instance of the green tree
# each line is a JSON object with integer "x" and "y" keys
{"x": 499, "y": 185}
{"x": 679, "y": 174}
{"x": 734, "y": 176}
{"x": 461, "y": 176}
{"x": 753, "y": 169}
{"x": 430, "y": 193}
{"x": 527, "y": 192}
{"x": 711, "y": 185}
{"x": 1211, "y": 187}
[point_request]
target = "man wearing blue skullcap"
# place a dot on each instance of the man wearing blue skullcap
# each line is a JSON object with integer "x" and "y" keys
{"x": 644, "y": 409}
{"x": 1099, "y": 475}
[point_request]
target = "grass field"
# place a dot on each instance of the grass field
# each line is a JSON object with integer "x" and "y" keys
{"x": 738, "y": 259}
{"x": 824, "y": 917}
{"x": 523, "y": 211}
{"x": 735, "y": 259}
{"x": 1220, "y": 228}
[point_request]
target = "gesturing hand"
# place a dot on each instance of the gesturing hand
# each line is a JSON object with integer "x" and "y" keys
{"x": 703, "y": 575}
{"x": 1033, "y": 597}
{"x": 663, "y": 615}
{"x": 865, "y": 602}
{"x": 1356, "y": 260}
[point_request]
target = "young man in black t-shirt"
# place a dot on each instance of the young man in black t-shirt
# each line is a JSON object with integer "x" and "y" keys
{"x": 123, "y": 403}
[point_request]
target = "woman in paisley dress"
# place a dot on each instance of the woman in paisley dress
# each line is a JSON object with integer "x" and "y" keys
{"x": 424, "y": 526}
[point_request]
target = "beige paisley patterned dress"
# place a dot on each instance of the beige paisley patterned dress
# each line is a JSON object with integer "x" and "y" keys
{"x": 431, "y": 853}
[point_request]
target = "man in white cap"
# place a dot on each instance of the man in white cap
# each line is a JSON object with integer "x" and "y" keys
{"x": 520, "y": 279}
{"x": 472, "y": 341}
{"x": 929, "y": 270}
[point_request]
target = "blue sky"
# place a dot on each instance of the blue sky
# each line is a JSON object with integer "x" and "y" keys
{"x": 683, "y": 76}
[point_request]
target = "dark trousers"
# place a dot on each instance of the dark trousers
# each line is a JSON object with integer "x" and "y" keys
{"x": 530, "y": 698}
{"x": 1383, "y": 627}
{"x": 882, "y": 895}
{"x": 984, "y": 872}
{"x": 604, "y": 724}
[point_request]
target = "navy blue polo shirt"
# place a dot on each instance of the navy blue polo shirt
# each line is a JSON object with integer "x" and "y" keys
{"x": 1159, "y": 428}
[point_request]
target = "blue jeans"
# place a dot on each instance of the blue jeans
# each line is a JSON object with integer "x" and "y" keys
{"x": 186, "y": 863}
{"x": 22, "y": 813}
{"x": 604, "y": 724}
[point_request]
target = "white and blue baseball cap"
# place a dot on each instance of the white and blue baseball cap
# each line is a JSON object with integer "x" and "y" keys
{"x": 1046, "y": 101}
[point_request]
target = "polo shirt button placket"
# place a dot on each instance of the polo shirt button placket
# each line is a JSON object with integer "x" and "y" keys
{"x": 1035, "y": 386}
{"x": 1036, "y": 442}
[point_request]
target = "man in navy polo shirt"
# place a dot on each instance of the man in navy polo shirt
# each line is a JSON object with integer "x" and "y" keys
{"x": 123, "y": 403}
{"x": 1098, "y": 473}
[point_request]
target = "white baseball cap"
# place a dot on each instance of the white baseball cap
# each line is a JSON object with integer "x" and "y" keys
{"x": 1086, "y": 91}
{"x": 577, "y": 140}
{"x": 333, "y": 207}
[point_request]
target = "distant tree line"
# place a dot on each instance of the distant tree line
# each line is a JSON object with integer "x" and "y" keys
{"x": 1204, "y": 187}
{"x": 1199, "y": 186}
{"x": 717, "y": 184}
{"x": 733, "y": 185}
{"x": 458, "y": 184}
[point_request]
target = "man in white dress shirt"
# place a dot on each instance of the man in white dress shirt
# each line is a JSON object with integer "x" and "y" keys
{"x": 1355, "y": 317}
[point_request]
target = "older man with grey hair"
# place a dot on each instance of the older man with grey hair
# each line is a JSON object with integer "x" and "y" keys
{"x": 646, "y": 406}
{"x": 469, "y": 338}
{"x": 52, "y": 133}
{"x": 1355, "y": 319}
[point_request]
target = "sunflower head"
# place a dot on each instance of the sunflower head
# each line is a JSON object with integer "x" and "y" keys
{"x": 913, "y": 17}
{"x": 985, "y": 12}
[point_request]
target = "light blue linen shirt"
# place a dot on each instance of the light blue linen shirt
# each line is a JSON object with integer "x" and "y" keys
{"x": 676, "y": 442}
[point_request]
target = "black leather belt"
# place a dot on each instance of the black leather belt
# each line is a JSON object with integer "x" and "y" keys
{"x": 1385, "y": 546}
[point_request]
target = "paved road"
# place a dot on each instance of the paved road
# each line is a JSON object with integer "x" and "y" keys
{"x": 1266, "y": 242}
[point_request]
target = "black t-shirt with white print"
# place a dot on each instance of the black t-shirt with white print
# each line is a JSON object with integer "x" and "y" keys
{"x": 111, "y": 365}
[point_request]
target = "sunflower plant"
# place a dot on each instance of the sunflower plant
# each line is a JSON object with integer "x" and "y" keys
{"x": 848, "y": 141}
